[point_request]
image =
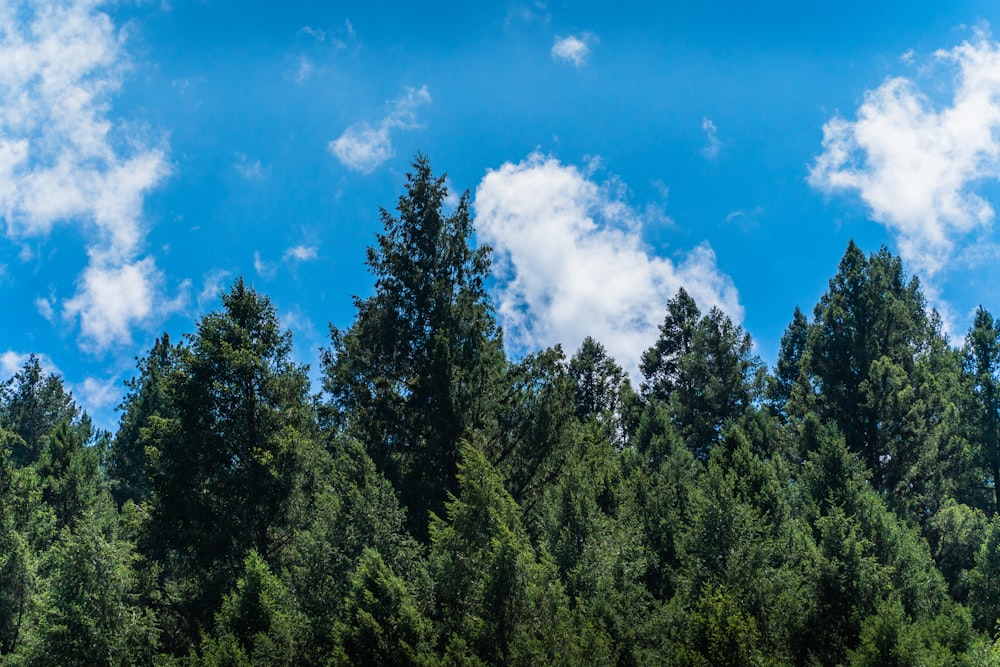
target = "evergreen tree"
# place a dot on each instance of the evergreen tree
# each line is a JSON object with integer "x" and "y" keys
{"x": 227, "y": 467}
{"x": 661, "y": 363}
{"x": 982, "y": 368}
{"x": 417, "y": 369}
{"x": 32, "y": 405}
{"x": 146, "y": 401}
{"x": 793, "y": 346}
{"x": 870, "y": 328}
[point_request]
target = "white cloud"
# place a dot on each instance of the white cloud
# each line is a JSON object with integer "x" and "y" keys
{"x": 573, "y": 49}
{"x": 114, "y": 296}
{"x": 364, "y": 146}
{"x": 45, "y": 309}
{"x": 570, "y": 262}
{"x": 300, "y": 253}
{"x": 62, "y": 160}
{"x": 916, "y": 164}
{"x": 212, "y": 286}
{"x": 12, "y": 363}
{"x": 97, "y": 395}
{"x": 711, "y": 149}
{"x": 263, "y": 269}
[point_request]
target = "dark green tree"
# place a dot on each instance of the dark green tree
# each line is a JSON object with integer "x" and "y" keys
{"x": 721, "y": 379}
{"x": 793, "y": 346}
{"x": 146, "y": 400}
{"x": 982, "y": 368}
{"x": 602, "y": 391}
{"x": 70, "y": 476}
{"x": 870, "y": 328}
{"x": 415, "y": 372}
{"x": 226, "y": 467}
{"x": 660, "y": 364}
{"x": 496, "y": 597}
{"x": 383, "y": 624}
{"x": 259, "y": 623}
{"x": 32, "y": 404}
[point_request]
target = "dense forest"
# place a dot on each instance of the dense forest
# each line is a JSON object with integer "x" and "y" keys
{"x": 438, "y": 502}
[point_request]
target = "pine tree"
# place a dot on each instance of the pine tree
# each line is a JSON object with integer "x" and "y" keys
{"x": 416, "y": 371}
{"x": 226, "y": 467}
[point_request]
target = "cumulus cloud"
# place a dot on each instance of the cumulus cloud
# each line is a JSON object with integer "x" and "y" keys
{"x": 364, "y": 146}
{"x": 712, "y": 145}
{"x": 63, "y": 160}
{"x": 573, "y": 49}
{"x": 570, "y": 262}
{"x": 916, "y": 164}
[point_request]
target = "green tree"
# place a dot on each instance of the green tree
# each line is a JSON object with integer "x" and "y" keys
{"x": 89, "y": 611}
{"x": 660, "y": 364}
{"x": 32, "y": 404}
{"x": 147, "y": 399}
{"x": 415, "y": 372}
{"x": 259, "y": 622}
{"x": 382, "y": 624}
{"x": 529, "y": 436}
{"x": 495, "y": 596}
{"x": 721, "y": 381}
{"x": 982, "y": 368}
{"x": 870, "y": 327}
{"x": 70, "y": 476}
{"x": 793, "y": 346}
{"x": 226, "y": 467}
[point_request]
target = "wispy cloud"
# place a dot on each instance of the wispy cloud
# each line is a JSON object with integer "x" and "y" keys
{"x": 712, "y": 145}
{"x": 916, "y": 164}
{"x": 364, "y": 146}
{"x": 571, "y": 261}
{"x": 97, "y": 395}
{"x": 63, "y": 160}
{"x": 249, "y": 169}
{"x": 212, "y": 287}
{"x": 293, "y": 255}
{"x": 573, "y": 49}
{"x": 300, "y": 253}
{"x": 263, "y": 269}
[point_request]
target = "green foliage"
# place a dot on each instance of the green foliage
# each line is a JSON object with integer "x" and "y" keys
{"x": 226, "y": 461}
{"x": 32, "y": 404}
{"x": 258, "y": 624}
{"x": 147, "y": 400}
{"x": 382, "y": 622}
{"x": 416, "y": 370}
{"x": 439, "y": 505}
{"x": 495, "y": 595}
{"x": 88, "y": 612}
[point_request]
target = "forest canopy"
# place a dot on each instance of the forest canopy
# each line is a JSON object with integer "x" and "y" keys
{"x": 437, "y": 502}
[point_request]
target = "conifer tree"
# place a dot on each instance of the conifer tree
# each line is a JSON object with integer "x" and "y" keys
{"x": 417, "y": 369}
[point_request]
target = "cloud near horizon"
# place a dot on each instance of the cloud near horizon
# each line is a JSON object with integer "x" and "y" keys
{"x": 63, "y": 161}
{"x": 364, "y": 146}
{"x": 571, "y": 262}
{"x": 916, "y": 164}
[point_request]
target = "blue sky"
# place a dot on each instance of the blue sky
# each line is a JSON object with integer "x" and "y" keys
{"x": 150, "y": 152}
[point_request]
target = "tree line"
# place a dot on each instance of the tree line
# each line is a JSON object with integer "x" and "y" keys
{"x": 439, "y": 503}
